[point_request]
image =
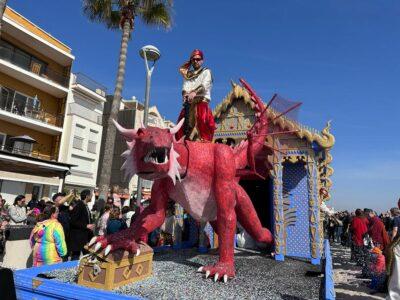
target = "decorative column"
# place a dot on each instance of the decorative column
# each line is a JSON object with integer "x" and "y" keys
{"x": 279, "y": 227}
{"x": 314, "y": 212}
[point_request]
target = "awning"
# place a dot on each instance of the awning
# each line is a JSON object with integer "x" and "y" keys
{"x": 18, "y": 163}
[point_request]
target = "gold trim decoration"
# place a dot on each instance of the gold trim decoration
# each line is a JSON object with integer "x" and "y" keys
{"x": 139, "y": 269}
{"x": 93, "y": 276}
{"x": 324, "y": 138}
{"x": 127, "y": 272}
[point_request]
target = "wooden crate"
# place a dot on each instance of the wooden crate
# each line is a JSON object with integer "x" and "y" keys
{"x": 118, "y": 268}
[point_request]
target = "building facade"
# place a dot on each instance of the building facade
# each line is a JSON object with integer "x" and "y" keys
{"x": 83, "y": 129}
{"x": 34, "y": 81}
{"x": 131, "y": 115}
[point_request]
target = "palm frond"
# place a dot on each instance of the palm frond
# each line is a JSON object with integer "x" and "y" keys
{"x": 108, "y": 12}
{"x": 156, "y": 13}
{"x": 103, "y": 11}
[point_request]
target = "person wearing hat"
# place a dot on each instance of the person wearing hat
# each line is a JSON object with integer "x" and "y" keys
{"x": 196, "y": 95}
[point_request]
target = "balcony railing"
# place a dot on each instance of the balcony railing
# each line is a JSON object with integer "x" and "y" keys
{"x": 35, "y": 153}
{"x": 33, "y": 114}
{"x": 32, "y": 65}
{"x": 89, "y": 83}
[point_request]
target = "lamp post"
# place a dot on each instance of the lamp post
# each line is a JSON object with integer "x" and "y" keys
{"x": 150, "y": 54}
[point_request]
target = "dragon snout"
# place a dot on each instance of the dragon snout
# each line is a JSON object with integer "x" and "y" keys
{"x": 157, "y": 155}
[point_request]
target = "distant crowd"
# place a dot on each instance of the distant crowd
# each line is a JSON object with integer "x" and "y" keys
{"x": 373, "y": 239}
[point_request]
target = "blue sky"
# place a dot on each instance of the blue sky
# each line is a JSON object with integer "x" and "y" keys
{"x": 340, "y": 58}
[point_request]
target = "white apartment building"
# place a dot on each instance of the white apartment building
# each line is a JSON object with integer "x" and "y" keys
{"x": 131, "y": 115}
{"x": 83, "y": 130}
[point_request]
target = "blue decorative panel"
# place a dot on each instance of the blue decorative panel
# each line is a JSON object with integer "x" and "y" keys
{"x": 295, "y": 185}
{"x": 210, "y": 233}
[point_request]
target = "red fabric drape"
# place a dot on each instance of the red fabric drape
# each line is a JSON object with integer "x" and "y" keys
{"x": 205, "y": 123}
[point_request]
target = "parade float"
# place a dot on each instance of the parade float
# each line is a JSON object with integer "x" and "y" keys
{"x": 268, "y": 152}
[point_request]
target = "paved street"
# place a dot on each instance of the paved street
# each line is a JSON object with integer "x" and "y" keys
{"x": 348, "y": 285}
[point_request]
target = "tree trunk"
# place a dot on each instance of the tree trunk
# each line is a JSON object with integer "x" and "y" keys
{"x": 3, "y": 4}
{"x": 107, "y": 159}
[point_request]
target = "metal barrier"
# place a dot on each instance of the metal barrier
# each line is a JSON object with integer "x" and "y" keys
{"x": 30, "y": 286}
{"x": 329, "y": 284}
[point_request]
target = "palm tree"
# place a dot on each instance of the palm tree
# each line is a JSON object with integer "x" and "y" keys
{"x": 3, "y": 4}
{"x": 115, "y": 14}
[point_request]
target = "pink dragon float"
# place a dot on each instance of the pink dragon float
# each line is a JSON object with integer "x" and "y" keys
{"x": 202, "y": 177}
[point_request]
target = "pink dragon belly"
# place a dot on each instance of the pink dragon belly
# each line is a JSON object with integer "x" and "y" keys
{"x": 196, "y": 196}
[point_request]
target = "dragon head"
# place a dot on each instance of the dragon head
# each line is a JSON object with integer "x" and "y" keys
{"x": 150, "y": 153}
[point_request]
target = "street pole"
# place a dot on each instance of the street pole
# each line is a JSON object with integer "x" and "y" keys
{"x": 149, "y": 72}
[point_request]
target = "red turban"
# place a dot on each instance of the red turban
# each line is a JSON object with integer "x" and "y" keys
{"x": 197, "y": 52}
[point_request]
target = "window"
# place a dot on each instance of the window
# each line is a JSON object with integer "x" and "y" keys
{"x": 92, "y": 143}
{"x": 6, "y": 99}
{"x": 78, "y": 137}
{"x": 93, "y": 135}
{"x": 79, "y": 130}
{"x": 18, "y": 103}
{"x": 77, "y": 142}
{"x": 83, "y": 164}
{"x": 2, "y": 140}
{"x": 21, "y": 58}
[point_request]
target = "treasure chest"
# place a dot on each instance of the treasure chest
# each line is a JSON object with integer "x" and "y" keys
{"x": 117, "y": 268}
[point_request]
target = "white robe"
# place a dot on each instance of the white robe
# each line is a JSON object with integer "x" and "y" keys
{"x": 394, "y": 282}
{"x": 203, "y": 79}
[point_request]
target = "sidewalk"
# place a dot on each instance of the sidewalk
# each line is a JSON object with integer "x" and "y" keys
{"x": 346, "y": 273}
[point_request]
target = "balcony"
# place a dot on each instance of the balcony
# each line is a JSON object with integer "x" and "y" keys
{"x": 88, "y": 88}
{"x": 28, "y": 114}
{"x": 34, "y": 153}
{"x": 27, "y": 68}
{"x": 84, "y": 80}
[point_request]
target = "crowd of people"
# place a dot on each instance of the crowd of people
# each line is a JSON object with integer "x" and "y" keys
{"x": 63, "y": 225}
{"x": 373, "y": 240}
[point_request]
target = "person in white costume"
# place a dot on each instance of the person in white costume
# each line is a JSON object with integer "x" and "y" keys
{"x": 196, "y": 95}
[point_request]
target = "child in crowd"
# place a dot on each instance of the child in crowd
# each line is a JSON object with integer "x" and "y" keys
{"x": 115, "y": 222}
{"x": 377, "y": 270}
{"x": 103, "y": 220}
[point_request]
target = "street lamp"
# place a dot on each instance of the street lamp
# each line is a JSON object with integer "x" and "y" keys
{"x": 150, "y": 54}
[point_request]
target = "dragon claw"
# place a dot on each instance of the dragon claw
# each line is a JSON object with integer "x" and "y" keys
{"x": 225, "y": 278}
{"x": 92, "y": 241}
{"x": 137, "y": 252}
{"x": 108, "y": 249}
{"x": 97, "y": 247}
{"x": 219, "y": 271}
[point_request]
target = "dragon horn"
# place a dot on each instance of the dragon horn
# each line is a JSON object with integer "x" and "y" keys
{"x": 129, "y": 134}
{"x": 177, "y": 127}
